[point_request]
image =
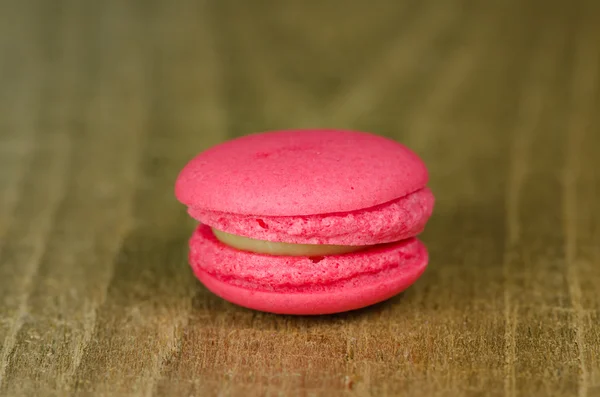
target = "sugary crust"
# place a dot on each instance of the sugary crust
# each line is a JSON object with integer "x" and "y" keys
{"x": 300, "y": 172}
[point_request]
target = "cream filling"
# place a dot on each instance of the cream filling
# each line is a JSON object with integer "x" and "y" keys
{"x": 282, "y": 249}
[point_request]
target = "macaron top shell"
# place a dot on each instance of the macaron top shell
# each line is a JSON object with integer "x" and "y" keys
{"x": 300, "y": 172}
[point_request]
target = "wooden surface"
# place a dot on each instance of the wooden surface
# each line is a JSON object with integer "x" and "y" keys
{"x": 102, "y": 102}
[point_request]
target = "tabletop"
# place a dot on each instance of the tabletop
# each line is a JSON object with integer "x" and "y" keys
{"x": 103, "y": 102}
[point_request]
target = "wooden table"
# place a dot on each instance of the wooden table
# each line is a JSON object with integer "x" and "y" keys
{"x": 102, "y": 103}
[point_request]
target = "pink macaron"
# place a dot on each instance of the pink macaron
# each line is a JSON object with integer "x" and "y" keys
{"x": 307, "y": 221}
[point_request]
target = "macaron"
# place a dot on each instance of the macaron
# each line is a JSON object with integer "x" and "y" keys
{"x": 307, "y": 222}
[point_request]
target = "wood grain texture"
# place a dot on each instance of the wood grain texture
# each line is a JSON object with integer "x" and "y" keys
{"x": 104, "y": 102}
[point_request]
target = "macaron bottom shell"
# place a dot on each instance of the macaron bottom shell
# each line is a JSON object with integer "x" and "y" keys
{"x": 277, "y": 285}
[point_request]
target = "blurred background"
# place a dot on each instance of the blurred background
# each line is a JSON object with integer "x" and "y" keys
{"x": 103, "y": 102}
